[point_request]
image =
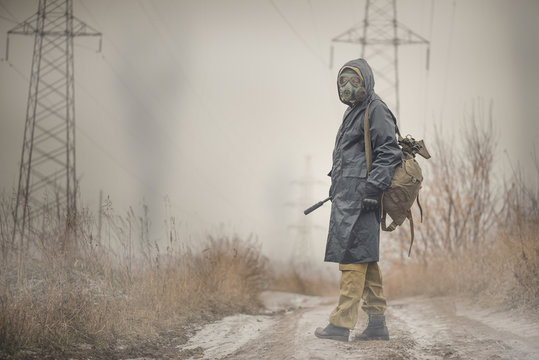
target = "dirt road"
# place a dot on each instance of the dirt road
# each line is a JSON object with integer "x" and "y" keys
{"x": 420, "y": 328}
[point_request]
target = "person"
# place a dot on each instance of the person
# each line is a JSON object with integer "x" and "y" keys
{"x": 354, "y": 227}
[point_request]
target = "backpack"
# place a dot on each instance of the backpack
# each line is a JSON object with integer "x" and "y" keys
{"x": 398, "y": 199}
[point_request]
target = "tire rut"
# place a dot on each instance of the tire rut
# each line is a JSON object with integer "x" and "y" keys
{"x": 278, "y": 340}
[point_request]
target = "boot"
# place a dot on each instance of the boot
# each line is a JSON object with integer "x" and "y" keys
{"x": 376, "y": 329}
{"x": 333, "y": 332}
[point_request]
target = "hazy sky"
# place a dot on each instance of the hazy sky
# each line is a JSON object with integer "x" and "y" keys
{"x": 217, "y": 104}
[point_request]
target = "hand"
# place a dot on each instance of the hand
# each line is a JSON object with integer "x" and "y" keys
{"x": 369, "y": 205}
{"x": 372, "y": 198}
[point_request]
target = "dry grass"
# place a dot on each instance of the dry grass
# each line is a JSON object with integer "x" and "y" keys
{"x": 105, "y": 295}
{"x": 306, "y": 279}
{"x": 478, "y": 239}
{"x": 110, "y": 284}
{"x": 505, "y": 274}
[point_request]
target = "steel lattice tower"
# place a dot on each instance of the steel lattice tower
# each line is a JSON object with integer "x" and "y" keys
{"x": 380, "y": 36}
{"x": 48, "y": 161}
{"x": 303, "y": 252}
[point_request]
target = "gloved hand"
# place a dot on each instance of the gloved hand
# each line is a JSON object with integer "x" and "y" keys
{"x": 372, "y": 198}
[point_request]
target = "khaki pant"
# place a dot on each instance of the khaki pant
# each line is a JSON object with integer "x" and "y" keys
{"x": 358, "y": 281}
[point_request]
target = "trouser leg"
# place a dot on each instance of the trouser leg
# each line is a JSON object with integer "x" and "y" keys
{"x": 374, "y": 302}
{"x": 351, "y": 289}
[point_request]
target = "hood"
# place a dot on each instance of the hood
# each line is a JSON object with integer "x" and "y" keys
{"x": 362, "y": 68}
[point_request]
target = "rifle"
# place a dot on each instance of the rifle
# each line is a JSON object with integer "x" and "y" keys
{"x": 412, "y": 146}
{"x": 316, "y": 206}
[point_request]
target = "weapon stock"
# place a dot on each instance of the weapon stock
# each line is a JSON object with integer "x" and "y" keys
{"x": 423, "y": 150}
{"x": 412, "y": 146}
{"x": 316, "y": 206}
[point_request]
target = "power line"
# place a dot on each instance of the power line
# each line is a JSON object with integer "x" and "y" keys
{"x": 380, "y": 37}
{"x": 233, "y": 143}
{"x": 167, "y": 137}
{"x": 431, "y": 18}
{"x": 298, "y": 35}
{"x": 17, "y": 70}
{"x": 135, "y": 74}
{"x": 448, "y": 56}
{"x": 8, "y": 19}
{"x": 132, "y": 174}
{"x": 92, "y": 140}
{"x": 107, "y": 153}
{"x": 166, "y": 134}
{"x": 315, "y": 25}
{"x": 427, "y": 92}
{"x": 13, "y": 18}
{"x": 223, "y": 131}
{"x": 48, "y": 150}
{"x": 163, "y": 32}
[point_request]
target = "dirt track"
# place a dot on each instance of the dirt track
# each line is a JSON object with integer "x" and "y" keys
{"x": 420, "y": 328}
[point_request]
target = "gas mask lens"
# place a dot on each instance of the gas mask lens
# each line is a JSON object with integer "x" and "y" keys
{"x": 354, "y": 80}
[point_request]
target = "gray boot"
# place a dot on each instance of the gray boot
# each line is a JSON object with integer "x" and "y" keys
{"x": 376, "y": 329}
{"x": 333, "y": 332}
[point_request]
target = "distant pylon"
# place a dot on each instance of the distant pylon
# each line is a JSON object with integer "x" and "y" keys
{"x": 380, "y": 36}
{"x": 48, "y": 151}
{"x": 302, "y": 251}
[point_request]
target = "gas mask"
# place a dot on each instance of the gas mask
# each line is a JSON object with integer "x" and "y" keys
{"x": 351, "y": 87}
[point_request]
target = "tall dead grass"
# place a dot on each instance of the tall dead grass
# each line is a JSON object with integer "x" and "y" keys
{"x": 479, "y": 234}
{"x": 303, "y": 278}
{"x": 505, "y": 275}
{"x": 117, "y": 287}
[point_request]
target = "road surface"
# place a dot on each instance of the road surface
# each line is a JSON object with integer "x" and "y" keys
{"x": 420, "y": 328}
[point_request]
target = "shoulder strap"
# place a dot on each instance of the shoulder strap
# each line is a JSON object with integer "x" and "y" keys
{"x": 367, "y": 135}
{"x": 368, "y": 155}
{"x": 411, "y": 219}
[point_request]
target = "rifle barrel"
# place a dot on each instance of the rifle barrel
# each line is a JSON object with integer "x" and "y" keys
{"x": 316, "y": 206}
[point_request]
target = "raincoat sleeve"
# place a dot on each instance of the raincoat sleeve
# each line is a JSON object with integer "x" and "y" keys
{"x": 386, "y": 153}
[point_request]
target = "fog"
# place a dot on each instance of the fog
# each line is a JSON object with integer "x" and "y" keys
{"x": 226, "y": 109}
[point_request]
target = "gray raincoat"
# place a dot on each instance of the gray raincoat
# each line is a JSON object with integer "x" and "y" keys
{"x": 354, "y": 237}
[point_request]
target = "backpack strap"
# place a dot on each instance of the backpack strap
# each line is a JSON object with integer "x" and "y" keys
{"x": 391, "y": 226}
{"x": 367, "y": 136}
{"x": 411, "y": 219}
{"x": 420, "y": 208}
{"x": 368, "y": 155}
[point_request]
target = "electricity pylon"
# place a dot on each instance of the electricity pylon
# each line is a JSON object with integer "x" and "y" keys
{"x": 380, "y": 36}
{"x": 48, "y": 162}
{"x": 302, "y": 252}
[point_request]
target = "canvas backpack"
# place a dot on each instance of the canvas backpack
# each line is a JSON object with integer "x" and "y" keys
{"x": 398, "y": 199}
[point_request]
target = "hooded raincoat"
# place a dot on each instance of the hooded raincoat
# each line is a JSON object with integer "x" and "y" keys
{"x": 354, "y": 236}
